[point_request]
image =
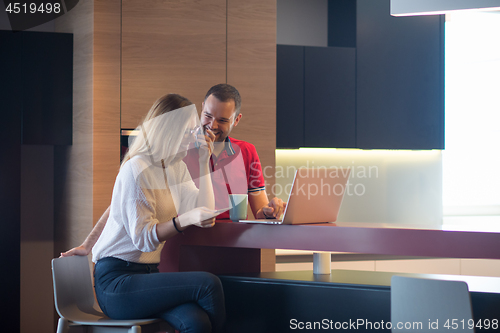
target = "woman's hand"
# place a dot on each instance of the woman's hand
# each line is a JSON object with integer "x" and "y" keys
{"x": 206, "y": 223}
{"x": 76, "y": 251}
{"x": 200, "y": 217}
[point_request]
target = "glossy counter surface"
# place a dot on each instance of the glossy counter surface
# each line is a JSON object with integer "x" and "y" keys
{"x": 453, "y": 240}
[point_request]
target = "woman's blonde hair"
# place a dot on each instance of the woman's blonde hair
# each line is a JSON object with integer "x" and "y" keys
{"x": 161, "y": 131}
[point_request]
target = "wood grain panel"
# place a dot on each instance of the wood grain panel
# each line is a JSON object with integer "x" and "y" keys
{"x": 37, "y": 241}
{"x": 267, "y": 260}
{"x": 106, "y": 102}
{"x": 251, "y": 68}
{"x": 170, "y": 47}
{"x": 73, "y": 164}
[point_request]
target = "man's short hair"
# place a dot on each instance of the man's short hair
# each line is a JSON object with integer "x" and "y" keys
{"x": 225, "y": 92}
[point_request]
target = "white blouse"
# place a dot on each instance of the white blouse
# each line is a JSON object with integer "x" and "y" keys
{"x": 140, "y": 201}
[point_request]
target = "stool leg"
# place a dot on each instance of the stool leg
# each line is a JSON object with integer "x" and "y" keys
{"x": 135, "y": 329}
{"x": 62, "y": 325}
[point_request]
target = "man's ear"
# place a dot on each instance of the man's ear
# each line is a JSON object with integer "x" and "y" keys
{"x": 237, "y": 120}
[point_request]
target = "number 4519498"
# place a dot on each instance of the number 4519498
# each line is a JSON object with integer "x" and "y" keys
{"x": 470, "y": 324}
{"x": 32, "y": 8}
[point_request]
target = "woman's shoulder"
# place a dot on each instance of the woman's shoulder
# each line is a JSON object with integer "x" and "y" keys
{"x": 135, "y": 166}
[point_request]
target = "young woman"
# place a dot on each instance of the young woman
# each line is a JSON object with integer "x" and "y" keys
{"x": 153, "y": 199}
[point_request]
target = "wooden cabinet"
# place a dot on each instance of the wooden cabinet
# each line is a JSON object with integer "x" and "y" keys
{"x": 187, "y": 47}
{"x": 182, "y": 47}
{"x": 170, "y": 47}
{"x": 386, "y": 93}
{"x": 251, "y": 68}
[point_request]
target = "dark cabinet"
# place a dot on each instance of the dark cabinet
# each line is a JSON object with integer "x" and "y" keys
{"x": 38, "y": 84}
{"x": 311, "y": 82}
{"x": 46, "y": 65}
{"x": 399, "y": 80}
{"x": 329, "y": 94}
{"x": 290, "y": 96}
{"x": 387, "y": 92}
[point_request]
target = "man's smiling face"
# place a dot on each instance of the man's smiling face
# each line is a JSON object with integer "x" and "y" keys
{"x": 219, "y": 117}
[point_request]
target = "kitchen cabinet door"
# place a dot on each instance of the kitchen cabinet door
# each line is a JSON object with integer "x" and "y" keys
{"x": 290, "y": 96}
{"x": 170, "y": 47}
{"x": 47, "y": 70}
{"x": 400, "y": 79}
{"x": 330, "y": 99}
{"x": 316, "y": 97}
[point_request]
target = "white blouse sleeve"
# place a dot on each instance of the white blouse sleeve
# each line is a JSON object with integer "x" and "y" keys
{"x": 137, "y": 206}
{"x": 189, "y": 191}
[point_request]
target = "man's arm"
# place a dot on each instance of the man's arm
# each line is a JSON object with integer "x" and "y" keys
{"x": 88, "y": 244}
{"x": 263, "y": 208}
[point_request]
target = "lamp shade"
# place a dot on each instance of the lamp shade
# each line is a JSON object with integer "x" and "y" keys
{"x": 436, "y": 7}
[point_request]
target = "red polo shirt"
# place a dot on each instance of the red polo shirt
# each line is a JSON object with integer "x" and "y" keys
{"x": 237, "y": 170}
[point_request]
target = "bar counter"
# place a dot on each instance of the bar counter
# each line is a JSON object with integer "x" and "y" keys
{"x": 266, "y": 301}
{"x": 234, "y": 247}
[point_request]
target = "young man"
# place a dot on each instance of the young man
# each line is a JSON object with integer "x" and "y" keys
{"x": 235, "y": 166}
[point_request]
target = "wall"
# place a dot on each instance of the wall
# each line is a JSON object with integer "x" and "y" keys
{"x": 384, "y": 186}
{"x": 106, "y": 102}
{"x": 398, "y": 187}
{"x": 37, "y": 238}
{"x": 470, "y": 267}
{"x": 73, "y": 164}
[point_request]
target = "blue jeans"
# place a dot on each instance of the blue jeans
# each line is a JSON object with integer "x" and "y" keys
{"x": 189, "y": 301}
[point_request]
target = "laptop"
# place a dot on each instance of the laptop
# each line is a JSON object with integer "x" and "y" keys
{"x": 315, "y": 197}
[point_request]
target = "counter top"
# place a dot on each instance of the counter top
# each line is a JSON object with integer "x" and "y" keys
{"x": 447, "y": 241}
{"x": 234, "y": 246}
